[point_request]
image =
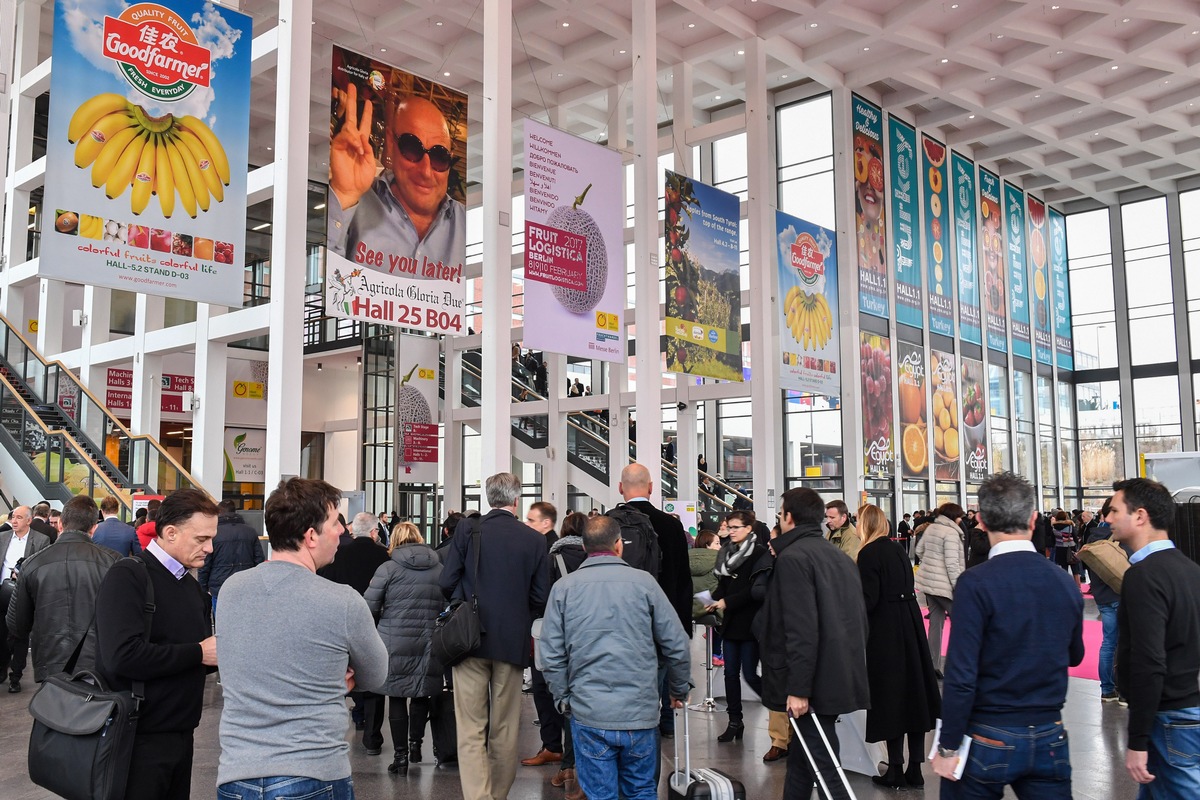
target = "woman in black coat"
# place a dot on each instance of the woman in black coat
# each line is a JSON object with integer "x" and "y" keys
{"x": 405, "y": 598}
{"x": 737, "y": 564}
{"x": 904, "y": 693}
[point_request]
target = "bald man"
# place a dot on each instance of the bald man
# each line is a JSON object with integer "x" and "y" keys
{"x": 16, "y": 544}
{"x": 404, "y": 211}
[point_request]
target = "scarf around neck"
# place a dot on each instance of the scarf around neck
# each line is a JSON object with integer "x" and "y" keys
{"x": 732, "y": 556}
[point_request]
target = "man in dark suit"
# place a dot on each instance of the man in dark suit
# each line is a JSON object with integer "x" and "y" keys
{"x": 357, "y": 559}
{"x": 674, "y": 575}
{"x": 512, "y": 587}
{"x": 113, "y": 533}
{"x": 41, "y": 521}
{"x": 16, "y": 544}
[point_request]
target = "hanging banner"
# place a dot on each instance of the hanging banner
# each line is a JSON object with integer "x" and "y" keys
{"x": 146, "y": 148}
{"x": 947, "y": 432}
{"x": 704, "y": 292}
{"x": 1018, "y": 284}
{"x": 876, "y": 364}
{"x": 396, "y": 222}
{"x": 1043, "y": 333}
{"x": 991, "y": 246}
{"x": 574, "y": 245}
{"x": 870, "y": 223}
{"x": 935, "y": 201}
{"x": 902, "y": 151}
{"x": 1062, "y": 295}
{"x": 962, "y": 171}
{"x": 974, "y": 438}
{"x": 245, "y": 455}
{"x": 417, "y": 409}
{"x": 914, "y": 410}
{"x": 808, "y": 283}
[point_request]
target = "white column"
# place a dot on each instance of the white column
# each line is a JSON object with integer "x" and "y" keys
{"x": 554, "y": 476}
{"x": 682, "y": 116}
{"x": 495, "y": 423}
{"x": 767, "y": 419}
{"x": 97, "y": 307}
{"x": 1187, "y": 394}
{"x": 682, "y": 113}
{"x": 648, "y": 392}
{"x": 145, "y": 414}
{"x": 208, "y": 419}
{"x": 52, "y": 315}
{"x": 288, "y": 248}
{"x": 20, "y": 152}
{"x": 1125, "y": 374}
{"x": 452, "y": 474}
{"x": 618, "y": 374}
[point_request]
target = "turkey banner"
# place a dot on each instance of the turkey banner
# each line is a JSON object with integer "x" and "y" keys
{"x": 1062, "y": 296}
{"x": 416, "y": 437}
{"x": 1043, "y": 329}
{"x": 574, "y": 245}
{"x": 991, "y": 246}
{"x": 940, "y": 279}
{"x": 870, "y": 221}
{"x": 808, "y": 327}
{"x": 962, "y": 172}
{"x": 875, "y": 354}
{"x": 906, "y": 235}
{"x": 1018, "y": 276}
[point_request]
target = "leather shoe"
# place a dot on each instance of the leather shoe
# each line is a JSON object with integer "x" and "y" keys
{"x": 774, "y": 754}
{"x": 542, "y": 758}
{"x": 14, "y": 687}
{"x": 374, "y": 751}
{"x": 574, "y": 791}
{"x": 562, "y": 776}
{"x": 666, "y": 734}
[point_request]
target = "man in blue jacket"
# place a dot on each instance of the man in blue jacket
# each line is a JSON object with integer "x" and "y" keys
{"x": 607, "y": 619}
{"x": 113, "y": 533}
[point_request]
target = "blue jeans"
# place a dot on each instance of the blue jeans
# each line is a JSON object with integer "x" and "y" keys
{"x": 286, "y": 788}
{"x": 612, "y": 762}
{"x": 1174, "y": 756}
{"x": 1033, "y": 759}
{"x": 1108, "y": 646}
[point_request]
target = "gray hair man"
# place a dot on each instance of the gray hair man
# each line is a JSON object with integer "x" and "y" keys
{"x": 365, "y": 524}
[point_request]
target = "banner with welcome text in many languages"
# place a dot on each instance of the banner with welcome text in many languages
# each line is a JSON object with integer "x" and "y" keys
{"x": 1018, "y": 277}
{"x": 962, "y": 178}
{"x": 1063, "y": 346}
{"x": 807, "y": 271}
{"x": 870, "y": 220}
{"x": 906, "y": 240}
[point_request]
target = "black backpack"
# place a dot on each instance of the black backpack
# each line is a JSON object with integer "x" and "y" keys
{"x": 637, "y": 534}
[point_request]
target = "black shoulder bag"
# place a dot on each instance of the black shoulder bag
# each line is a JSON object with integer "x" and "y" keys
{"x": 458, "y": 630}
{"x": 82, "y": 740}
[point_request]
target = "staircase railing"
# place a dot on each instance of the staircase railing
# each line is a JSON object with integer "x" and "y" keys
{"x": 138, "y": 461}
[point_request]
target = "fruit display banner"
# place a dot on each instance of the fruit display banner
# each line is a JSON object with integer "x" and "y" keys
{"x": 870, "y": 222}
{"x": 416, "y": 438}
{"x": 574, "y": 245}
{"x": 947, "y": 436}
{"x": 875, "y": 354}
{"x": 146, "y": 148}
{"x": 396, "y": 219}
{"x": 902, "y": 154}
{"x": 704, "y": 294}
{"x": 962, "y": 173}
{"x": 808, "y": 283}
{"x": 934, "y": 197}
{"x": 1018, "y": 283}
{"x": 245, "y": 454}
{"x": 991, "y": 247}
{"x": 974, "y": 429}
{"x": 1039, "y": 269}
{"x": 914, "y": 410}
{"x": 1063, "y": 346}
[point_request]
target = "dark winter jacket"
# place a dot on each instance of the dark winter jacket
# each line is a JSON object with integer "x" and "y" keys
{"x": 735, "y": 590}
{"x": 701, "y": 561}
{"x": 572, "y": 552}
{"x": 355, "y": 563}
{"x": 405, "y": 599}
{"x": 235, "y": 547}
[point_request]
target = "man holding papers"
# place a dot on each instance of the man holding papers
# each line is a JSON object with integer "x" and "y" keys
{"x": 1018, "y": 626}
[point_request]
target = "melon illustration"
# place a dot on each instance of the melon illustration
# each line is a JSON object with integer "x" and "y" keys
{"x": 411, "y": 406}
{"x": 574, "y": 219}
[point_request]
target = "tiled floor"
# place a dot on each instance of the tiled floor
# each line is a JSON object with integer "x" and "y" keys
{"x": 1097, "y": 754}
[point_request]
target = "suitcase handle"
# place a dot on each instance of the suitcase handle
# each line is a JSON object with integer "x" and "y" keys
{"x": 832, "y": 756}
{"x": 687, "y": 748}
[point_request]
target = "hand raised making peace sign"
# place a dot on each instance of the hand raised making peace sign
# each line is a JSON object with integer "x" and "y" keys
{"x": 351, "y": 159}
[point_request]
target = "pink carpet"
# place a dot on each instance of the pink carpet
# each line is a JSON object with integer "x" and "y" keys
{"x": 1088, "y": 668}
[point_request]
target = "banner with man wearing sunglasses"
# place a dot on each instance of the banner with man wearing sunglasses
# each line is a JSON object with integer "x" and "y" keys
{"x": 396, "y": 220}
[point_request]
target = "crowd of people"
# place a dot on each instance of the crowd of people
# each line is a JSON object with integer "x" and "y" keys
{"x": 819, "y": 615}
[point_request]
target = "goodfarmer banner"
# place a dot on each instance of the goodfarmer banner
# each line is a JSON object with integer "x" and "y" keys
{"x": 146, "y": 148}
{"x": 808, "y": 326}
{"x": 574, "y": 245}
{"x": 396, "y": 219}
{"x": 962, "y": 173}
{"x": 870, "y": 222}
{"x": 1018, "y": 282}
{"x": 906, "y": 250}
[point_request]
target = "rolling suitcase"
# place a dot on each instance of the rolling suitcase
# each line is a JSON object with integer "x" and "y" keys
{"x": 443, "y": 728}
{"x": 700, "y": 784}
{"x": 832, "y": 757}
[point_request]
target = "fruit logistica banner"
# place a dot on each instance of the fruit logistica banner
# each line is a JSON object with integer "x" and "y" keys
{"x": 807, "y": 271}
{"x": 146, "y": 148}
{"x": 991, "y": 246}
{"x": 416, "y": 438}
{"x": 704, "y": 323}
{"x": 396, "y": 223}
{"x": 1043, "y": 333}
{"x": 1018, "y": 278}
{"x": 937, "y": 237}
{"x": 914, "y": 410}
{"x": 870, "y": 222}
{"x": 875, "y": 354}
{"x": 962, "y": 173}
{"x": 1062, "y": 296}
{"x": 902, "y": 150}
{"x": 947, "y": 430}
{"x": 574, "y": 245}
{"x": 974, "y": 430}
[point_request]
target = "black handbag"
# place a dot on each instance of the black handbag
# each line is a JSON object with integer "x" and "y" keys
{"x": 82, "y": 740}
{"x": 458, "y": 630}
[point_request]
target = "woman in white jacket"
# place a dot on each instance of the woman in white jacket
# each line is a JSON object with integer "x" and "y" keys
{"x": 942, "y": 558}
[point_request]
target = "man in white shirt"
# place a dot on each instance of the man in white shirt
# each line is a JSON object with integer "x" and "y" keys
{"x": 15, "y": 545}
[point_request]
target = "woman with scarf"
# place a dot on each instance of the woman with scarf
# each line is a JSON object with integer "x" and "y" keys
{"x": 737, "y": 564}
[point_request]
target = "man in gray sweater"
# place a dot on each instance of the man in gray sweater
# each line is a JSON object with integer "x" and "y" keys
{"x": 290, "y": 644}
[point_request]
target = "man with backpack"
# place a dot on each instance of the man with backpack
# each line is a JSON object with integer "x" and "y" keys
{"x": 671, "y": 569}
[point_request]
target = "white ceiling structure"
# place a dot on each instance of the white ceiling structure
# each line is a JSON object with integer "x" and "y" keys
{"x": 1077, "y": 99}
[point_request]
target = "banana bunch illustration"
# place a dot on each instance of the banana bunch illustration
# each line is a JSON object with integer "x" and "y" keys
{"x": 91, "y": 227}
{"x": 162, "y": 156}
{"x": 808, "y": 318}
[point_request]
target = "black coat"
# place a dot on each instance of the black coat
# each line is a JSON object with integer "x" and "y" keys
{"x": 355, "y": 563}
{"x": 514, "y": 582}
{"x": 235, "y": 547}
{"x": 675, "y": 572}
{"x": 978, "y": 546}
{"x": 740, "y": 607}
{"x": 405, "y": 599}
{"x": 812, "y": 630}
{"x": 904, "y": 690}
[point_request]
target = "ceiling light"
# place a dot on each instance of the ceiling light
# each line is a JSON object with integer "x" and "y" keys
{"x": 812, "y": 24}
{"x": 691, "y": 24}
{"x": 566, "y": 24}
{"x": 360, "y": 361}
{"x": 783, "y": 76}
{"x": 970, "y": 116}
{"x": 559, "y": 74}
{"x": 622, "y": 52}
{"x": 945, "y": 61}
{"x": 955, "y": 5}
{"x": 1125, "y": 20}
{"x": 318, "y": 366}
{"x": 865, "y": 49}
{"x": 445, "y": 74}
{"x": 1097, "y": 133}
{"x": 318, "y": 207}
{"x": 716, "y": 97}
{"x": 1058, "y": 52}
{"x": 260, "y": 227}
{"x": 268, "y": 147}
{"x": 741, "y": 52}
{"x": 1054, "y": 8}
{"x": 1115, "y": 66}
{"x": 992, "y": 78}
{"x": 1036, "y": 96}
{"x": 438, "y": 23}
{"x": 999, "y": 35}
